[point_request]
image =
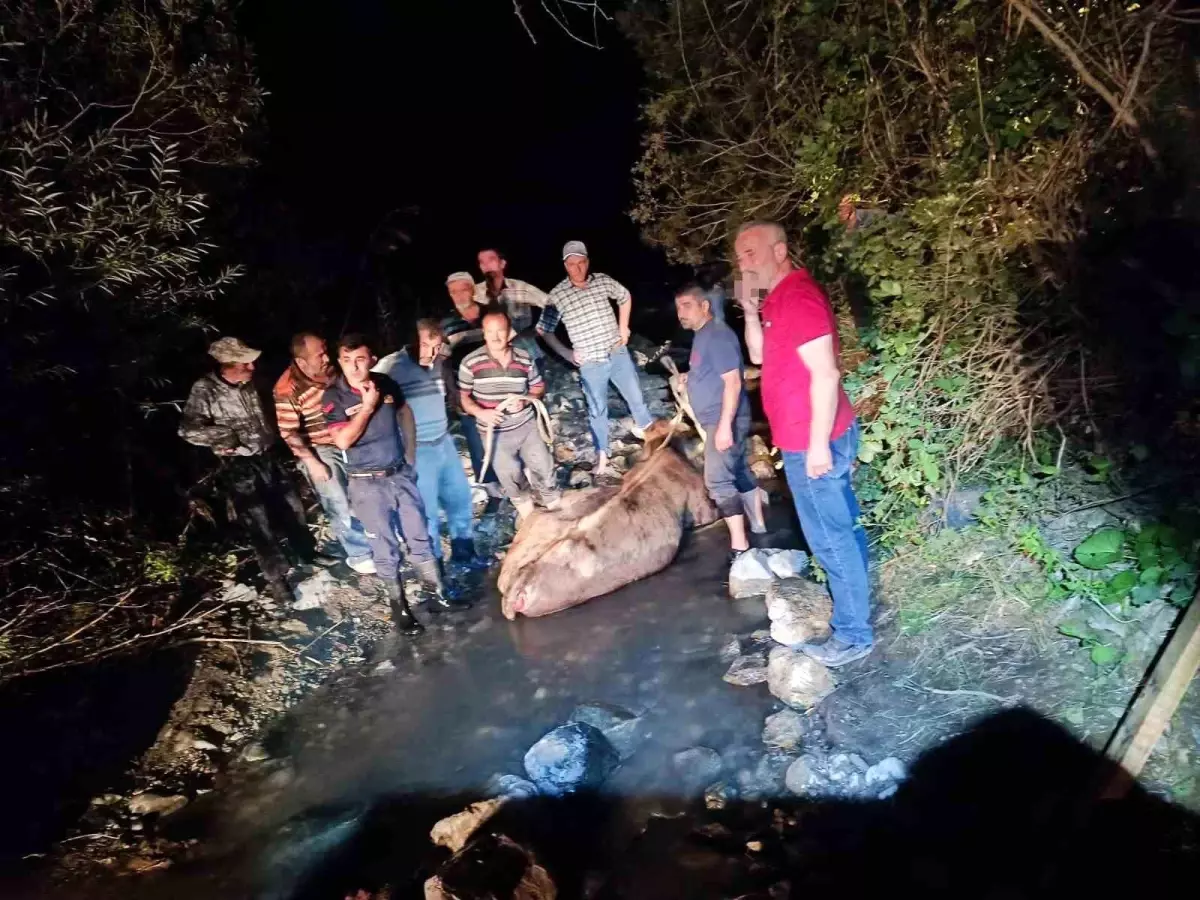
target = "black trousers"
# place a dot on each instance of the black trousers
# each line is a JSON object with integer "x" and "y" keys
{"x": 269, "y": 508}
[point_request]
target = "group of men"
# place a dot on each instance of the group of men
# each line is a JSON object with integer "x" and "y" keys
{"x": 374, "y": 441}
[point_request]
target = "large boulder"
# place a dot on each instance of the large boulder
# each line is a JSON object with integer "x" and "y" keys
{"x": 750, "y": 575}
{"x": 784, "y": 730}
{"x": 798, "y": 680}
{"x": 622, "y": 728}
{"x": 800, "y": 610}
{"x": 569, "y": 758}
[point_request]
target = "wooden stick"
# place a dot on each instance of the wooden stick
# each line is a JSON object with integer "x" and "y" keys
{"x": 1159, "y": 697}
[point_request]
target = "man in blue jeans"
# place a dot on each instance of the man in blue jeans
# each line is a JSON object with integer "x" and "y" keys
{"x": 715, "y": 391}
{"x": 440, "y": 477}
{"x": 791, "y": 332}
{"x": 583, "y": 302}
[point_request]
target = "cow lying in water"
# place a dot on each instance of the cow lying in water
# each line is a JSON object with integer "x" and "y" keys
{"x": 603, "y": 538}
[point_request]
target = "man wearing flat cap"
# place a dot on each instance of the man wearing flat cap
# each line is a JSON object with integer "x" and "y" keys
{"x": 583, "y": 302}
{"x": 224, "y": 414}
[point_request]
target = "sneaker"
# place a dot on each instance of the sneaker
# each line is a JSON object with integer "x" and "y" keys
{"x": 836, "y": 652}
{"x": 637, "y": 431}
{"x": 325, "y": 560}
{"x": 365, "y": 566}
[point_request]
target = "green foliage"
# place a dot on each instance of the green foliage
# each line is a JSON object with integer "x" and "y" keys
{"x": 927, "y": 159}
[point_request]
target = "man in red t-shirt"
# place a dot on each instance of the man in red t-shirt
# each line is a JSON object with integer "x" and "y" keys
{"x": 791, "y": 333}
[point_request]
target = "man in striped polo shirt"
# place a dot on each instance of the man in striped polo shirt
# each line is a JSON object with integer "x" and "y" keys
{"x": 301, "y": 421}
{"x": 488, "y": 376}
{"x": 583, "y": 302}
{"x": 440, "y": 477}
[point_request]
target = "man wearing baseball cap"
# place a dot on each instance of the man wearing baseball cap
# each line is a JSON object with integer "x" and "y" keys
{"x": 224, "y": 414}
{"x": 583, "y": 302}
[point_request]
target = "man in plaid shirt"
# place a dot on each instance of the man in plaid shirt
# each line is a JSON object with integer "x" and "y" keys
{"x": 583, "y": 302}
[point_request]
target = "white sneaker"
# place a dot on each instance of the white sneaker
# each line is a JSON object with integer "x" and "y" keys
{"x": 363, "y": 566}
{"x": 639, "y": 433}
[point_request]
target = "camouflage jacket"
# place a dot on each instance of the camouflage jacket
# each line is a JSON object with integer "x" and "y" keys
{"x": 224, "y": 416}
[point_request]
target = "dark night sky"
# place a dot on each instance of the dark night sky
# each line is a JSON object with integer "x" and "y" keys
{"x": 379, "y": 104}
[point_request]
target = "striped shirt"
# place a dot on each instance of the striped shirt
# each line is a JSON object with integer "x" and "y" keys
{"x": 298, "y": 409}
{"x": 588, "y": 315}
{"x": 424, "y": 389}
{"x": 488, "y": 382}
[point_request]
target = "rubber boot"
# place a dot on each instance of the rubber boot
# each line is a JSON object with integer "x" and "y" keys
{"x": 430, "y": 573}
{"x": 463, "y": 553}
{"x": 406, "y": 623}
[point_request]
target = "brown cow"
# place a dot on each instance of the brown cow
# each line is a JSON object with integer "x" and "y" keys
{"x": 603, "y": 538}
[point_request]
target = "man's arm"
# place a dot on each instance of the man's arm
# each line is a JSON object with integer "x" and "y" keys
{"x": 481, "y": 414}
{"x": 818, "y": 357}
{"x": 288, "y": 417}
{"x": 197, "y": 425}
{"x": 408, "y": 430}
{"x": 547, "y": 323}
{"x": 731, "y": 395}
{"x": 346, "y": 434}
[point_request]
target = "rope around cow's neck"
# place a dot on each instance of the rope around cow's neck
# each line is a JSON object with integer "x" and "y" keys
{"x": 545, "y": 428}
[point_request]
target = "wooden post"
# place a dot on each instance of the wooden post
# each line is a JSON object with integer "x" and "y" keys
{"x": 1159, "y": 697}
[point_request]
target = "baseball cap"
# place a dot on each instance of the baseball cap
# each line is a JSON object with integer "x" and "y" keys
{"x": 459, "y": 276}
{"x": 574, "y": 248}
{"x": 228, "y": 350}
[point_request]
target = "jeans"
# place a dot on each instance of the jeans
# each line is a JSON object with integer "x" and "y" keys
{"x": 829, "y": 518}
{"x": 443, "y": 485}
{"x": 726, "y": 473}
{"x": 268, "y": 507}
{"x": 475, "y": 448}
{"x": 381, "y": 504}
{"x": 520, "y": 449}
{"x": 620, "y": 370}
{"x": 331, "y": 494}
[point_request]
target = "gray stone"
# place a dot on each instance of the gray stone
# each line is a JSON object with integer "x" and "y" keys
{"x": 797, "y": 680}
{"x": 511, "y": 786}
{"x": 888, "y": 791}
{"x": 580, "y": 478}
{"x": 787, "y": 563}
{"x": 731, "y": 650}
{"x": 697, "y": 766}
{"x": 890, "y": 769}
{"x": 150, "y": 803}
{"x": 236, "y": 593}
{"x": 802, "y": 775}
{"x": 314, "y": 591}
{"x": 255, "y": 752}
{"x": 800, "y": 611}
{"x": 295, "y": 626}
{"x": 570, "y": 757}
{"x": 749, "y": 575}
{"x": 200, "y": 744}
{"x": 784, "y": 730}
{"x": 858, "y": 762}
{"x": 747, "y": 670}
{"x": 622, "y": 727}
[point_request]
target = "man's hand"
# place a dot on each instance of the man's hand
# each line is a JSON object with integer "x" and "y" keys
{"x": 625, "y": 334}
{"x": 818, "y": 461}
{"x": 317, "y": 470}
{"x": 488, "y": 417}
{"x": 576, "y": 361}
{"x": 370, "y": 395}
{"x": 746, "y": 295}
{"x": 514, "y": 404}
{"x": 723, "y": 437}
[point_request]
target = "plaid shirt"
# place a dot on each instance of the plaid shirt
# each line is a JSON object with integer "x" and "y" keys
{"x": 518, "y": 298}
{"x": 224, "y": 416}
{"x": 588, "y": 315}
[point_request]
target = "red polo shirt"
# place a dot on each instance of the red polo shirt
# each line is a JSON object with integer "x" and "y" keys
{"x": 794, "y": 313}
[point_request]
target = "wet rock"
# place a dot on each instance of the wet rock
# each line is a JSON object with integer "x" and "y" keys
{"x": 580, "y": 478}
{"x": 800, "y": 611}
{"x": 255, "y": 752}
{"x": 295, "y": 626}
{"x": 314, "y": 591}
{"x": 749, "y": 575}
{"x": 841, "y": 768}
{"x": 201, "y": 744}
{"x": 747, "y": 670}
{"x": 150, "y": 803}
{"x": 788, "y": 563}
{"x": 784, "y": 730}
{"x": 564, "y": 453}
{"x": 719, "y": 795}
{"x": 511, "y": 786}
{"x": 622, "y": 727}
{"x": 697, "y": 766}
{"x": 803, "y": 776}
{"x": 766, "y": 777}
{"x": 570, "y": 757}
{"x": 890, "y": 769}
{"x": 797, "y": 680}
{"x": 454, "y": 831}
{"x": 888, "y": 791}
{"x": 731, "y": 650}
{"x": 237, "y": 593}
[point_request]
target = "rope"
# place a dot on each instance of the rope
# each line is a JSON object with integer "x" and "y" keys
{"x": 541, "y": 416}
{"x": 681, "y": 400}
